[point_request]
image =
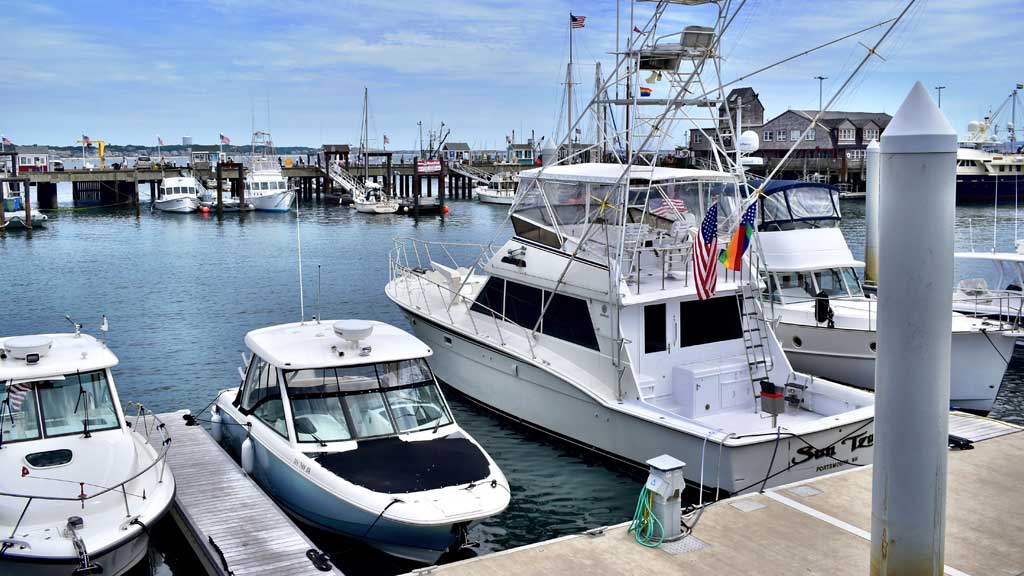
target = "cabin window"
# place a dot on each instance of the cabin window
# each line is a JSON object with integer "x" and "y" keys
{"x": 654, "y": 329}
{"x": 76, "y": 402}
{"x": 20, "y": 421}
{"x": 795, "y": 286}
{"x": 568, "y": 318}
{"x": 830, "y": 282}
{"x": 262, "y": 396}
{"x": 490, "y": 300}
{"x": 522, "y": 304}
{"x": 852, "y": 282}
{"x": 708, "y": 321}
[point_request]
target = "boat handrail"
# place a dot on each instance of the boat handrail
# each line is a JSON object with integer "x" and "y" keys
{"x": 165, "y": 444}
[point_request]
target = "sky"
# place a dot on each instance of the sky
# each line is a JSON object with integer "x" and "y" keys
{"x": 126, "y": 71}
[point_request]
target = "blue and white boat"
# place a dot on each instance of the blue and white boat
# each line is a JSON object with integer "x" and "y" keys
{"x": 345, "y": 426}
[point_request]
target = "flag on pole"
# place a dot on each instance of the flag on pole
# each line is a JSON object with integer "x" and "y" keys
{"x": 224, "y": 139}
{"x": 668, "y": 208}
{"x": 7, "y": 142}
{"x": 705, "y": 265}
{"x": 16, "y": 394}
{"x": 645, "y": 92}
{"x": 508, "y": 139}
{"x": 86, "y": 140}
{"x": 732, "y": 258}
{"x": 579, "y": 131}
{"x": 639, "y": 31}
{"x": 386, "y": 140}
{"x": 159, "y": 140}
{"x": 577, "y": 21}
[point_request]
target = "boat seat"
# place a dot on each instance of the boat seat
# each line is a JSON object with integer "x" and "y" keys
{"x": 453, "y": 278}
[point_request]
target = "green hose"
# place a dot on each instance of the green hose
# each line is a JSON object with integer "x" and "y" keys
{"x": 644, "y": 522}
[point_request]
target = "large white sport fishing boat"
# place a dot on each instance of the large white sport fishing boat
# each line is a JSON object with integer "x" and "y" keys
{"x": 265, "y": 186}
{"x": 82, "y": 483}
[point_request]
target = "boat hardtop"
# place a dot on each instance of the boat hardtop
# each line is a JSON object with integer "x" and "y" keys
{"x": 807, "y": 249}
{"x": 611, "y": 173}
{"x": 58, "y": 354}
{"x": 309, "y": 345}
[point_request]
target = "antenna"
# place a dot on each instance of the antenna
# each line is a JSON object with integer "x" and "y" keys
{"x": 104, "y": 328}
{"x": 298, "y": 240}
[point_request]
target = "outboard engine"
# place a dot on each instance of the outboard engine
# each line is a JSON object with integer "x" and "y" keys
{"x": 823, "y": 310}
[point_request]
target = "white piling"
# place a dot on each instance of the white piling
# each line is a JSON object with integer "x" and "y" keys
{"x": 916, "y": 207}
{"x": 871, "y": 164}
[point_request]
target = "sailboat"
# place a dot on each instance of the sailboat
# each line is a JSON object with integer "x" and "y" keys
{"x": 606, "y": 319}
{"x": 371, "y": 198}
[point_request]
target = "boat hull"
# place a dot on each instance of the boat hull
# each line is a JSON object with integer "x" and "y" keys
{"x": 530, "y": 395}
{"x": 376, "y": 207}
{"x": 312, "y": 505}
{"x": 277, "y": 202}
{"x": 487, "y": 198}
{"x": 177, "y": 205}
{"x": 845, "y": 355}
{"x": 982, "y": 188}
{"x": 16, "y": 220}
{"x": 116, "y": 561}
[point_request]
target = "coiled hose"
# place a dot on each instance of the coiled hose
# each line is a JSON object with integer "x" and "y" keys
{"x": 648, "y": 530}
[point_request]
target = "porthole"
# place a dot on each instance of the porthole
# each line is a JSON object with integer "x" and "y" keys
{"x": 873, "y": 347}
{"x": 797, "y": 342}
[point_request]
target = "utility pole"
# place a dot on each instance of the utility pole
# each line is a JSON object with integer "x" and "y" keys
{"x": 820, "y": 79}
{"x": 939, "y": 89}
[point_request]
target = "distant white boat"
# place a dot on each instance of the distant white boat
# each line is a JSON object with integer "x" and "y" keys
{"x": 265, "y": 186}
{"x": 178, "y": 195}
{"x": 373, "y": 200}
{"x": 501, "y": 189}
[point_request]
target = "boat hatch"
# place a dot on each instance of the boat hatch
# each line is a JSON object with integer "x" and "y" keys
{"x": 401, "y": 467}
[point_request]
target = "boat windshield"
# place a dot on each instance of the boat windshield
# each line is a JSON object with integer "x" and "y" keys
{"x": 373, "y": 400}
{"x": 793, "y": 287}
{"x": 72, "y": 404}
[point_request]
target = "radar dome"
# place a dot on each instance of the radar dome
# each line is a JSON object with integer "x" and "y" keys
{"x": 749, "y": 142}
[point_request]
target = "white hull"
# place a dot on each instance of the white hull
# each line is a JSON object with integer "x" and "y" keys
{"x": 17, "y": 219}
{"x": 115, "y": 562}
{"x": 182, "y": 205}
{"x": 845, "y": 355}
{"x": 272, "y": 202}
{"x": 487, "y": 196}
{"x": 376, "y": 207}
{"x": 530, "y": 394}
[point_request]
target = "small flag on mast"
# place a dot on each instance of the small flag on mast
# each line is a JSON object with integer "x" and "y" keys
{"x": 645, "y": 92}
{"x": 732, "y": 258}
{"x": 705, "y": 265}
{"x": 86, "y": 140}
{"x": 639, "y": 31}
{"x": 386, "y": 140}
{"x": 224, "y": 139}
{"x": 159, "y": 140}
{"x": 577, "y": 21}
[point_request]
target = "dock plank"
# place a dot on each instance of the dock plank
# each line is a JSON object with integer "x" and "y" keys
{"x": 216, "y": 499}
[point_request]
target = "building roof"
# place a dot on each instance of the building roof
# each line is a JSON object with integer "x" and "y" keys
{"x": 833, "y": 119}
{"x": 746, "y": 92}
{"x": 342, "y": 148}
{"x": 33, "y": 150}
{"x": 456, "y": 146}
{"x": 315, "y": 345}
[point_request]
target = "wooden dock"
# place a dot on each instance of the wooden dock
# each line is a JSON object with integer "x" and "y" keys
{"x": 820, "y": 526}
{"x": 231, "y": 524}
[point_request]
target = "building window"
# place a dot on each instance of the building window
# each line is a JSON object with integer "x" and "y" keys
{"x": 794, "y": 135}
{"x": 855, "y": 154}
{"x": 871, "y": 134}
{"x": 847, "y": 134}
{"x": 780, "y": 135}
{"x": 810, "y": 134}
{"x": 767, "y": 136}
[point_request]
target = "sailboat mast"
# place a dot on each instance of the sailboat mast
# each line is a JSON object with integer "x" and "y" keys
{"x": 363, "y": 137}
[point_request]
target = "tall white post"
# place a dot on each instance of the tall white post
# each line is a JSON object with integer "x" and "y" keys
{"x": 871, "y": 161}
{"x": 916, "y": 209}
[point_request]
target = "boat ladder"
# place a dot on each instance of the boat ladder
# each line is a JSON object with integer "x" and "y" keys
{"x": 755, "y": 338}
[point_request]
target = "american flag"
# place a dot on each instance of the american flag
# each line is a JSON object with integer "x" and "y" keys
{"x": 386, "y": 140}
{"x": 224, "y": 139}
{"x": 7, "y": 142}
{"x": 159, "y": 140}
{"x": 664, "y": 208}
{"x": 577, "y": 21}
{"x": 16, "y": 394}
{"x": 705, "y": 263}
{"x": 86, "y": 140}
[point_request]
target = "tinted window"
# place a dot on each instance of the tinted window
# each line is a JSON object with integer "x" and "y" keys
{"x": 490, "y": 297}
{"x": 568, "y": 319}
{"x": 707, "y": 321}
{"x": 654, "y": 329}
{"x": 522, "y": 304}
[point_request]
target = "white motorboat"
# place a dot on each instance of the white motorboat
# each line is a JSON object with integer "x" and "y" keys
{"x": 373, "y": 200}
{"x": 590, "y": 327}
{"x": 14, "y": 210}
{"x": 178, "y": 194}
{"x": 500, "y": 189}
{"x": 265, "y": 185}
{"x": 974, "y": 297}
{"x": 345, "y": 425}
{"x": 825, "y": 321}
{"x": 82, "y": 483}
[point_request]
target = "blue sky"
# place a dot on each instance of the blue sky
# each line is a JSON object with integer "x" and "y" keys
{"x": 127, "y": 71}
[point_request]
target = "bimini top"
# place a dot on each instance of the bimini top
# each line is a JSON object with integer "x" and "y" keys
{"x": 38, "y": 356}
{"x": 806, "y": 249}
{"x": 307, "y": 345}
{"x": 610, "y": 173}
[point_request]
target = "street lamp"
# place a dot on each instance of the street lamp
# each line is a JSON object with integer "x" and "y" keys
{"x": 939, "y": 89}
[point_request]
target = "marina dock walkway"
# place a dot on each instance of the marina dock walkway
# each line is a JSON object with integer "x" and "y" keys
{"x": 820, "y": 526}
{"x": 231, "y": 524}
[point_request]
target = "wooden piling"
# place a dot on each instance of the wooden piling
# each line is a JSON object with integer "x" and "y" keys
{"x": 28, "y": 204}
{"x": 220, "y": 194}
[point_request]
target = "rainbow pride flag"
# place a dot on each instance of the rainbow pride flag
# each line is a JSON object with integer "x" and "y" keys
{"x": 645, "y": 92}
{"x": 732, "y": 257}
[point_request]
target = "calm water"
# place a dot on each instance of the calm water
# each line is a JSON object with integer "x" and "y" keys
{"x": 181, "y": 291}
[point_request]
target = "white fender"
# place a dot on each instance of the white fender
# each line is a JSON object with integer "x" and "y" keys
{"x": 247, "y": 455}
{"x": 215, "y": 424}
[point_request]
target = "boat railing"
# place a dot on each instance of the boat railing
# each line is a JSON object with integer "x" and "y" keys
{"x": 414, "y": 269}
{"x": 150, "y": 424}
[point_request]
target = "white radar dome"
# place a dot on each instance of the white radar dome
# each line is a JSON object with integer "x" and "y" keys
{"x": 353, "y": 330}
{"x": 749, "y": 142}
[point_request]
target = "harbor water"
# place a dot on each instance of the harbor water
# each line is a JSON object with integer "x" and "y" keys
{"x": 180, "y": 292}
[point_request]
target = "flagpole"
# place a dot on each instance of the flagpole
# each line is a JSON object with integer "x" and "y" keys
{"x": 568, "y": 97}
